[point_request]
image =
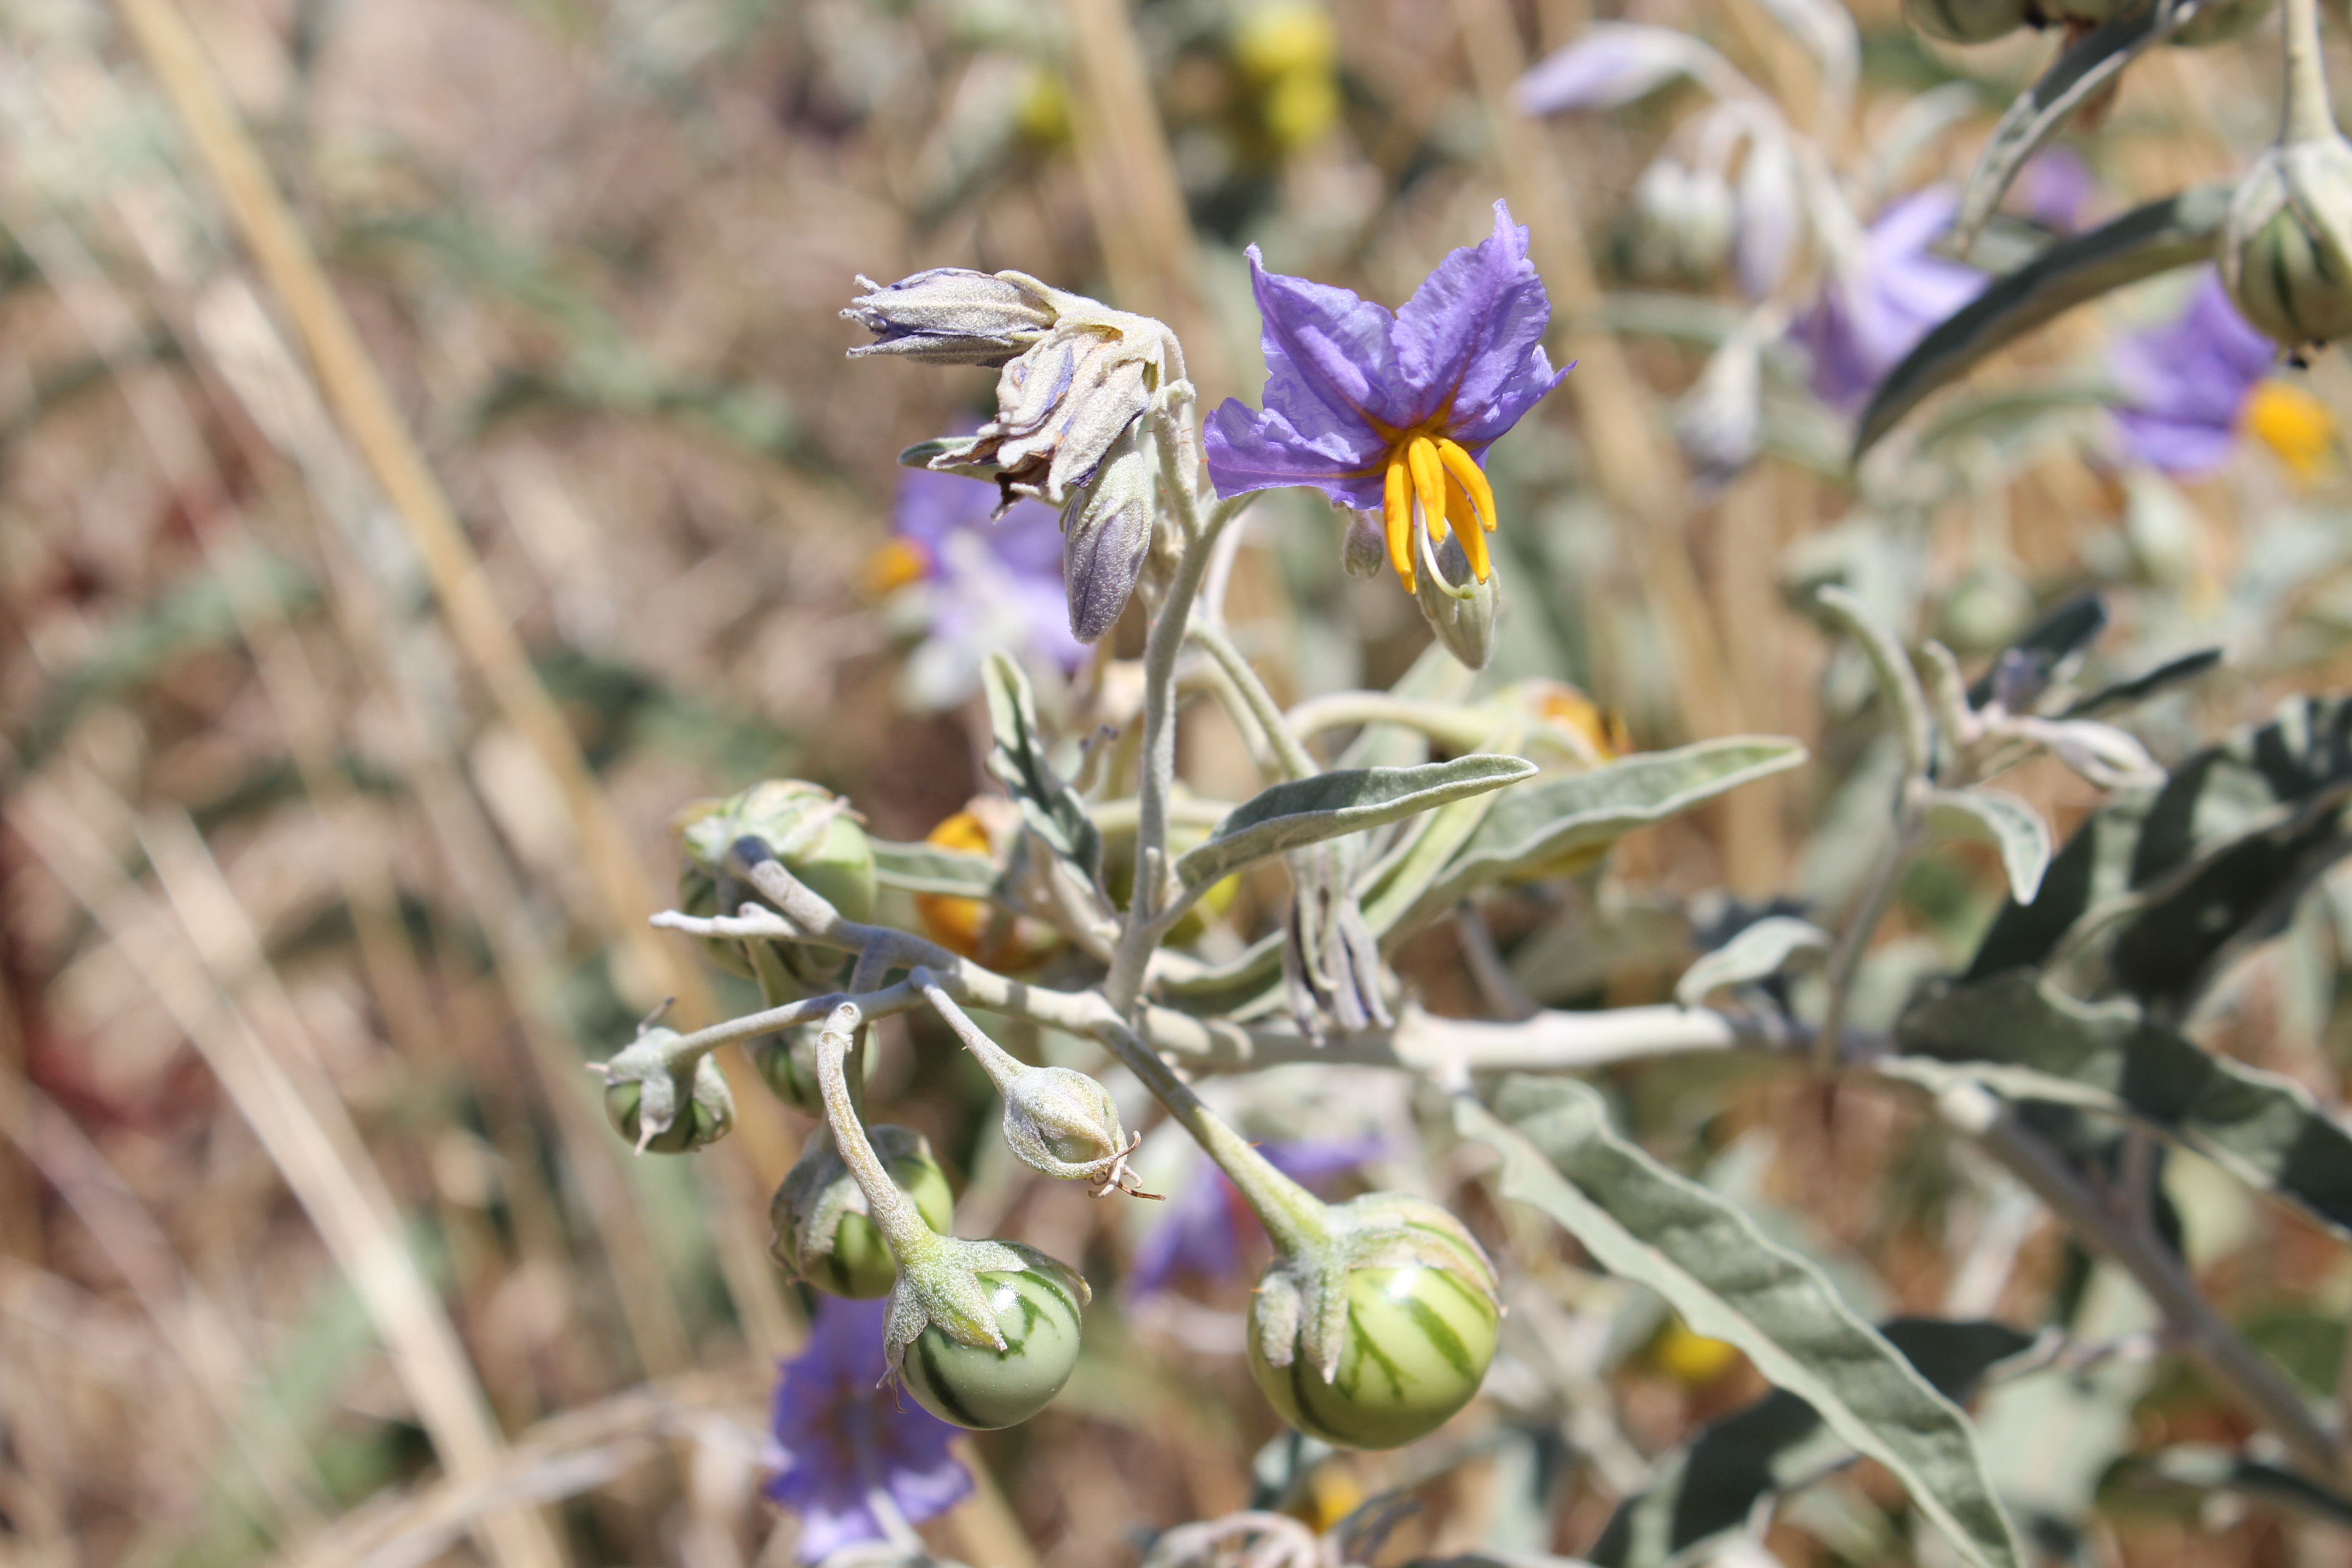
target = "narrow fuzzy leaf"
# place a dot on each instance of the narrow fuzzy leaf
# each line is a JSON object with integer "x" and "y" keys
{"x": 1763, "y": 950}
{"x": 1300, "y": 812}
{"x": 1727, "y": 1282}
{"x": 932, "y": 869}
{"x": 1047, "y": 808}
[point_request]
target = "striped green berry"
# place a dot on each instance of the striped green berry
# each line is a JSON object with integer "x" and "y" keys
{"x": 981, "y": 1388}
{"x": 1418, "y": 1343}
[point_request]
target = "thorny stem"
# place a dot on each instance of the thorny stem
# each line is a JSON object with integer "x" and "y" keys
{"x": 894, "y": 1215}
{"x": 2306, "y": 116}
{"x": 1845, "y": 959}
{"x": 1289, "y": 751}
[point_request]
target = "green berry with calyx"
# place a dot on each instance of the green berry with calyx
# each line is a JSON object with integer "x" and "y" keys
{"x": 816, "y": 836}
{"x": 825, "y": 1232}
{"x": 984, "y": 1333}
{"x": 787, "y": 1062}
{"x": 1378, "y": 1334}
{"x": 654, "y": 1108}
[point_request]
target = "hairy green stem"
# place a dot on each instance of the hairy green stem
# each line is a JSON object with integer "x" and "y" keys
{"x": 1449, "y": 727}
{"x": 2306, "y": 116}
{"x": 1853, "y": 942}
{"x": 1289, "y": 751}
{"x": 894, "y": 1213}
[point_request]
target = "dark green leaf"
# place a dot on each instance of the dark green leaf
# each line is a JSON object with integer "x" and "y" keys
{"x": 1709, "y": 1490}
{"x": 2178, "y": 231}
{"x": 2024, "y": 1038}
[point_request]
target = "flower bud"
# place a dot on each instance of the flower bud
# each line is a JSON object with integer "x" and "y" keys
{"x": 1684, "y": 221}
{"x": 2286, "y": 248}
{"x": 1106, "y": 534}
{"x": 950, "y": 315}
{"x": 824, "y": 1231}
{"x": 654, "y": 1108}
{"x": 815, "y": 835}
{"x": 1965, "y": 21}
{"x": 1066, "y": 402}
{"x": 984, "y": 1333}
{"x": 1062, "y": 1123}
{"x": 1364, "y": 553}
{"x": 1384, "y": 1332}
{"x": 1463, "y": 617}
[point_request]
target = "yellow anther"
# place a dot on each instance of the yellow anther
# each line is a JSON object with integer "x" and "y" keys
{"x": 896, "y": 565}
{"x": 1396, "y": 516}
{"x": 1428, "y": 482}
{"x": 2295, "y": 426}
{"x": 1464, "y": 521}
{"x": 1470, "y": 476}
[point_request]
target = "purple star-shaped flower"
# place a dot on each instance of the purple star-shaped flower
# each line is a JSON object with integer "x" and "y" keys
{"x": 848, "y": 1457}
{"x": 1207, "y": 1221}
{"x": 992, "y": 584}
{"x": 1873, "y": 312}
{"x": 2186, "y": 384}
{"x": 1390, "y": 412}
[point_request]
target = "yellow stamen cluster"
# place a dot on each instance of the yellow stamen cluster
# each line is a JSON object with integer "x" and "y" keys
{"x": 2295, "y": 426}
{"x": 1447, "y": 485}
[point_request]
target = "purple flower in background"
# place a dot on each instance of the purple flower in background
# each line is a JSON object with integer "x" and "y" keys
{"x": 985, "y": 585}
{"x": 1201, "y": 1233}
{"x": 848, "y": 1457}
{"x": 2055, "y": 190}
{"x": 1881, "y": 304}
{"x": 1382, "y": 411}
{"x": 2186, "y": 386}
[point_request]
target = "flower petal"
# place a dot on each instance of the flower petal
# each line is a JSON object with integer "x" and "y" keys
{"x": 1469, "y": 337}
{"x": 1613, "y": 65}
{"x": 1261, "y": 449}
{"x": 1328, "y": 360}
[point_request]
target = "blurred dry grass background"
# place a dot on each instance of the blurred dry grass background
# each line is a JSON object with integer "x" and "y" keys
{"x": 329, "y": 826}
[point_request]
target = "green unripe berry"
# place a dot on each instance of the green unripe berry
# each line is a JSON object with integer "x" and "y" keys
{"x": 697, "y": 1122}
{"x": 1419, "y": 1341}
{"x": 983, "y": 1389}
{"x": 2286, "y": 248}
{"x": 787, "y": 1061}
{"x": 823, "y": 1233}
{"x": 816, "y": 836}
{"x": 1965, "y": 21}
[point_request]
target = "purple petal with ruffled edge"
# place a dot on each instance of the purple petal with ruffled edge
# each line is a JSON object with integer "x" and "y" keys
{"x": 839, "y": 1439}
{"x": 2186, "y": 384}
{"x": 1254, "y": 449}
{"x": 1472, "y": 334}
{"x": 1331, "y": 359}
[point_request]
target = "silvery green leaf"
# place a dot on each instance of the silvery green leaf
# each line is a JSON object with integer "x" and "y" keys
{"x": 1047, "y": 808}
{"x": 2179, "y": 231}
{"x": 1765, "y": 948}
{"x": 1245, "y": 987}
{"x": 1300, "y": 812}
{"x": 2024, "y": 1038}
{"x": 932, "y": 868}
{"x": 1640, "y": 1220}
{"x": 1897, "y": 681}
{"x": 1398, "y": 883}
{"x": 2004, "y": 821}
{"x": 2038, "y": 112}
{"x": 1709, "y": 1490}
{"x": 1566, "y": 817}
